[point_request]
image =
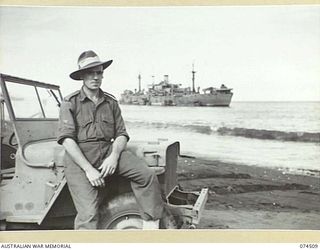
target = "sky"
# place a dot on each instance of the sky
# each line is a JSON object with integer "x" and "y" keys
{"x": 265, "y": 53}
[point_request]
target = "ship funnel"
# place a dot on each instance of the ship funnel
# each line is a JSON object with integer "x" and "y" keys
{"x": 139, "y": 77}
{"x": 193, "y": 79}
{"x": 166, "y": 78}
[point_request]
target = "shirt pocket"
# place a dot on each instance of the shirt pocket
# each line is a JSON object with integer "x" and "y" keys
{"x": 107, "y": 126}
{"x": 85, "y": 129}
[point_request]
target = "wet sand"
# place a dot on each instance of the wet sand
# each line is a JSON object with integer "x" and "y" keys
{"x": 247, "y": 197}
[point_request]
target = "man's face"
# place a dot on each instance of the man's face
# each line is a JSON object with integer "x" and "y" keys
{"x": 92, "y": 78}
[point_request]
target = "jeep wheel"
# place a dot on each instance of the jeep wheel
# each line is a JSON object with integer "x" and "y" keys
{"x": 122, "y": 212}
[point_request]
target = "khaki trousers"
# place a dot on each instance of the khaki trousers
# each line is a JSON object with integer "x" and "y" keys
{"x": 87, "y": 199}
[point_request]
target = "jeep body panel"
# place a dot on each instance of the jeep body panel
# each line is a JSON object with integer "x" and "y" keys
{"x": 35, "y": 192}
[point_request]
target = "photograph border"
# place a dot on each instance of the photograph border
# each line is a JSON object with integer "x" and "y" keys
{"x": 161, "y": 236}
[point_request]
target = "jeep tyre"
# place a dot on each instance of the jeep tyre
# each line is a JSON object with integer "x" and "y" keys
{"x": 122, "y": 212}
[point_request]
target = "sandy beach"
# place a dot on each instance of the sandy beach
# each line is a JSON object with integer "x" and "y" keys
{"x": 247, "y": 197}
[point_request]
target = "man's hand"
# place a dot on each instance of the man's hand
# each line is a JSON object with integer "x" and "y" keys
{"x": 77, "y": 156}
{"x": 94, "y": 177}
{"x": 109, "y": 165}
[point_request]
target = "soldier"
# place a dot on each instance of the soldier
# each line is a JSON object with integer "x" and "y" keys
{"x": 93, "y": 132}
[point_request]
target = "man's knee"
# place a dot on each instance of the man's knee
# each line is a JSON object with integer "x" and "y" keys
{"x": 148, "y": 176}
{"x": 136, "y": 169}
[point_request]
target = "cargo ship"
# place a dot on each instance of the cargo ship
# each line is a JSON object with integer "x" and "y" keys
{"x": 169, "y": 94}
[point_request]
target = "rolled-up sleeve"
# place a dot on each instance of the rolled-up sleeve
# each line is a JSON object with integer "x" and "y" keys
{"x": 66, "y": 127}
{"x": 120, "y": 128}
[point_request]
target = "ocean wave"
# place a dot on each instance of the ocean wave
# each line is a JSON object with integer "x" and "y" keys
{"x": 270, "y": 134}
{"x": 241, "y": 132}
{"x": 197, "y": 128}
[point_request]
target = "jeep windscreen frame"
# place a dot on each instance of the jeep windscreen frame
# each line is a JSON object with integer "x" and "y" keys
{"x": 30, "y": 129}
{"x": 38, "y": 90}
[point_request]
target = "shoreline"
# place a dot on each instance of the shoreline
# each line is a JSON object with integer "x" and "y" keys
{"x": 249, "y": 197}
{"x": 290, "y": 171}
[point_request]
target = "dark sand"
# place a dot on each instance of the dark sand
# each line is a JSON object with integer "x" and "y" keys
{"x": 247, "y": 197}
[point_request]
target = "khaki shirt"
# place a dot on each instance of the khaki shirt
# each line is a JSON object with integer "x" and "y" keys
{"x": 83, "y": 121}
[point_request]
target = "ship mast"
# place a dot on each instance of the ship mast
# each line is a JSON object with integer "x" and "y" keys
{"x": 139, "y": 77}
{"x": 193, "y": 78}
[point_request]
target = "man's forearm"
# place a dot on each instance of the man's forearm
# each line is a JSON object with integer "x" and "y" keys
{"x": 119, "y": 145}
{"x": 77, "y": 156}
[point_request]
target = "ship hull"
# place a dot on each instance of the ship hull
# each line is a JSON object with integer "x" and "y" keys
{"x": 210, "y": 100}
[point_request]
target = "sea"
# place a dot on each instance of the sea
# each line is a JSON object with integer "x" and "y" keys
{"x": 281, "y": 135}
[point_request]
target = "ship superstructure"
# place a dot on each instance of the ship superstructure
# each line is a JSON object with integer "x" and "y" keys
{"x": 169, "y": 94}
